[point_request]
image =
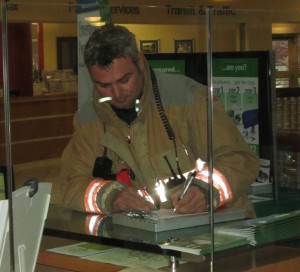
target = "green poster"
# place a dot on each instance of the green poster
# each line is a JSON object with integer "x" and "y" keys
{"x": 2, "y": 187}
{"x": 235, "y": 83}
{"x": 168, "y": 66}
{"x": 241, "y": 67}
{"x": 104, "y": 9}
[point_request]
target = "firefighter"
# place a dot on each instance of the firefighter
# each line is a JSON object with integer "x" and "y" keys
{"x": 143, "y": 133}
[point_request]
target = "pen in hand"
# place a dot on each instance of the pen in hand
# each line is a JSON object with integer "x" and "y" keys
{"x": 187, "y": 185}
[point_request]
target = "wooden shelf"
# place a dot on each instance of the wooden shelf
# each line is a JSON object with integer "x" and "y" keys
{"x": 41, "y": 127}
{"x": 289, "y": 139}
{"x": 287, "y": 92}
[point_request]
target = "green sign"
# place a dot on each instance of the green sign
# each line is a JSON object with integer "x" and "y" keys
{"x": 235, "y": 83}
{"x": 104, "y": 9}
{"x": 168, "y": 66}
{"x": 240, "y": 67}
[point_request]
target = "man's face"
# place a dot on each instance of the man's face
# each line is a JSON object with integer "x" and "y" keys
{"x": 122, "y": 81}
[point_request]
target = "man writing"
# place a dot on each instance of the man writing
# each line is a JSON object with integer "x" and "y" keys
{"x": 145, "y": 131}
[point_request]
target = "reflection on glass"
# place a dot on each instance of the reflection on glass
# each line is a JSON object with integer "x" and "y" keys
{"x": 2, "y": 187}
{"x": 282, "y": 82}
{"x": 281, "y": 49}
{"x": 42, "y": 121}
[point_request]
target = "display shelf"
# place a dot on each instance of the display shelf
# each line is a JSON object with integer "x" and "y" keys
{"x": 288, "y": 139}
{"x": 287, "y": 92}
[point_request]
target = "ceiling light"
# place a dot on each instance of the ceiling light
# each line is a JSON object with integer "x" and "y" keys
{"x": 93, "y": 19}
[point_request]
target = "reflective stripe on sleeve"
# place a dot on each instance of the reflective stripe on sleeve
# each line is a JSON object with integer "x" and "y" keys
{"x": 90, "y": 196}
{"x": 219, "y": 182}
{"x": 92, "y": 223}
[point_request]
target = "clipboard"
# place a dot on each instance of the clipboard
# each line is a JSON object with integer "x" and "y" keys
{"x": 30, "y": 208}
{"x": 165, "y": 220}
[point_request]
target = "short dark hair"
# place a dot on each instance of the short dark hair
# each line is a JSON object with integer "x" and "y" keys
{"x": 108, "y": 43}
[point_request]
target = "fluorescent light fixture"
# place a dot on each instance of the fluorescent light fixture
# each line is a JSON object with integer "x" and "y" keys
{"x": 97, "y": 24}
{"x": 93, "y": 19}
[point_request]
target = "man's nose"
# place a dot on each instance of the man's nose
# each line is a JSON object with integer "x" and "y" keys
{"x": 115, "y": 90}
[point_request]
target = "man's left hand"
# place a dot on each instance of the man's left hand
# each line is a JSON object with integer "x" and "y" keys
{"x": 193, "y": 201}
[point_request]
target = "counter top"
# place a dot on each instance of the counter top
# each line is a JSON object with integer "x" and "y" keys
{"x": 275, "y": 258}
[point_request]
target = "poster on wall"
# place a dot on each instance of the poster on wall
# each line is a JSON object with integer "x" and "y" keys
{"x": 168, "y": 66}
{"x": 235, "y": 83}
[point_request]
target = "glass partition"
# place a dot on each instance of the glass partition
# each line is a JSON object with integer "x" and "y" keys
{"x": 243, "y": 57}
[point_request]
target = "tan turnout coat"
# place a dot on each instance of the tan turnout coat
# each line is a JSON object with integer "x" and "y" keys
{"x": 185, "y": 104}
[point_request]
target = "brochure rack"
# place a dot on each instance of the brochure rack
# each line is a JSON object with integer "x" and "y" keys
{"x": 30, "y": 208}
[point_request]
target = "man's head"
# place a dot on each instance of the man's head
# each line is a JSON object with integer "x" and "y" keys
{"x": 108, "y": 43}
{"x": 115, "y": 65}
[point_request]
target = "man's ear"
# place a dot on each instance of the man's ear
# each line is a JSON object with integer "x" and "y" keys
{"x": 141, "y": 61}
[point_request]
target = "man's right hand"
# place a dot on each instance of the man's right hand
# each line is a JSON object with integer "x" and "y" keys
{"x": 129, "y": 199}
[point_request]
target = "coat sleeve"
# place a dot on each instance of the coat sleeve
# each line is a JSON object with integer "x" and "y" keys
{"x": 80, "y": 190}
{"x": 232, "y": 156}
